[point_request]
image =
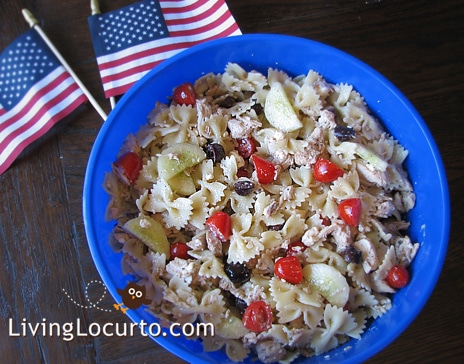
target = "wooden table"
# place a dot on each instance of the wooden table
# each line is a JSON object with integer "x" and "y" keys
{"x": 417, "y": 44}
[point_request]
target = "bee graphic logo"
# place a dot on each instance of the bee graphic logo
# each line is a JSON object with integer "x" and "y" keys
{"x": 133, "y": 296}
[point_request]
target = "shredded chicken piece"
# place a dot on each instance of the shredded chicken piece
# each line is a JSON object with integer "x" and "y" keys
{"x": 213, "y": 243}
{"x": 327, "y": 120}
{"x": 313, "y": 149}
{"x": 371, "y": 175}
{"x": 369, "y": 254}
{"x": 183, "y": 268}
{"x": 270, "y": 351}
{"x": 242, "y": 126}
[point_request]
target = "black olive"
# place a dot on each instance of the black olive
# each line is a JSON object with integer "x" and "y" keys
{"x": 258, "y": 108}
{"x": 344, "y": 133}
{"x": 237, "y": 272}
{"x": 228, "y": 102}
{"x": 244, "y": 188}
{"x": 214, "y": 151}
{"x": 351, "y": 255}
{"x": 276, "y": 227}
{"x": 241, "y": 305}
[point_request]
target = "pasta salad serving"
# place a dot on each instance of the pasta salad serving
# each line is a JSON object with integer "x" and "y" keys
{"x": 270, "y": 206}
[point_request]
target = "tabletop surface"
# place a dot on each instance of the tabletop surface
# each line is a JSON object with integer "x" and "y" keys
{"x": 47, "y": 269}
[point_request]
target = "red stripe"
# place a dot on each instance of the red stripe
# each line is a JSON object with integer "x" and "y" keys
{"x": 44, "y": 107}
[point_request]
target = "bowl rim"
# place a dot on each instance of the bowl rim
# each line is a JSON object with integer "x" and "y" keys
{"x": 99, "y": 261}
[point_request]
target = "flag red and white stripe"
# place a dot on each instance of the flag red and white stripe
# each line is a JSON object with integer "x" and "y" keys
{"x": 181, "y": 25}
{"x": 36, "y": 92}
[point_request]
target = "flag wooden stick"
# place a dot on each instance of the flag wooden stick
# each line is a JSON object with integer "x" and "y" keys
{"x": 33, "y": 23}
{"x": 95, "y": 7}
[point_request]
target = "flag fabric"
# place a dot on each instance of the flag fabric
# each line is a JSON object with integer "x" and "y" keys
{"x": 35, "y": 93}
{"x": 130, "y": 41}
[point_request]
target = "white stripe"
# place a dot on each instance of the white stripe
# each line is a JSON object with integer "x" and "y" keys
{"x": 38, "y": 125}
{"x": 27, "y": 98}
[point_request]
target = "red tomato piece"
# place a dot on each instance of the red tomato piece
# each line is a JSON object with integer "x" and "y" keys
{"x": 289, "y": 269}
{"x": 127, "y": 167}
{"x": 258, "y": 316}
{"x": 185, "y": 94}
{"x": 179, "y": 250}
{"x": 265, "y": 170}
{"x": 398, "y": 276}
{"x": 220, "y": 224}
{"x": 246, "y": 147}
{"x": 295, "y": 248}
{"x": 326, "y": 171}
{"x": 350, "y": 211}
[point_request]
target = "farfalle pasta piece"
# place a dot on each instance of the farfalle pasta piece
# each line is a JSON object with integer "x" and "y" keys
{"x": 213, "y": 192}
{"x": 345, "y": 187}
{"x": 336, "y": 321}
{"x": 212, "y": 268}
{"x": 294, "y": 301}
{"x": 358, "y": 276}
{"x": 148, "y": 174}
{"x": 302, "y": 176}
{"x": 243, "y": 248}
{"x": 294, "y": 227}
{"x": 321, "y": 203}
{"x": 183, "y": 117}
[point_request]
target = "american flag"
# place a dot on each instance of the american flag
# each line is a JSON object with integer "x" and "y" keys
{"x": 35, "y": 93}
{"x": 130, "y": 41}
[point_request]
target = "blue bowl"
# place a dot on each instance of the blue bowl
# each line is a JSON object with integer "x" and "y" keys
{"x": 430, "y": 219}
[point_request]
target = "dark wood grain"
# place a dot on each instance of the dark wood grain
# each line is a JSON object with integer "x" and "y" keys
{"x": 418, "y": 45}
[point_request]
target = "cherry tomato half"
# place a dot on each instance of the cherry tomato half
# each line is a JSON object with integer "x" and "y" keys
{"x": 127, "y": 167}
{"x": 265, "y": 170}
{"x": 185, "y": 94}
{"x": 179, "y": 250}
{"x": 220, "y": 224}
{"x": 350, "y": 211}
{"x": 258, "y": 316}
{"x": 398, "y": 276}
{"x": 326, "y": 171}
{"x": 289, "y": 269}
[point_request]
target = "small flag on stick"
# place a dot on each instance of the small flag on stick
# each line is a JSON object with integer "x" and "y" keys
{"x": 36, "y": 92}
{"x": 130, "y": 41}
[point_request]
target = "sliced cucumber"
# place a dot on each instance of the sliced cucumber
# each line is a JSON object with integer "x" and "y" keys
{"x": 150, "y": 232}
{"x": 231, "y": 328}
{"x": 329, "y": 282}
{"x": 177, "y": 158}
{"x": 182, "y": 184}
{"x": 279, "y": 110}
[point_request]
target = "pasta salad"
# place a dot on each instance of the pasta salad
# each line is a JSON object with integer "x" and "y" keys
{"x": 268, "y": 205}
